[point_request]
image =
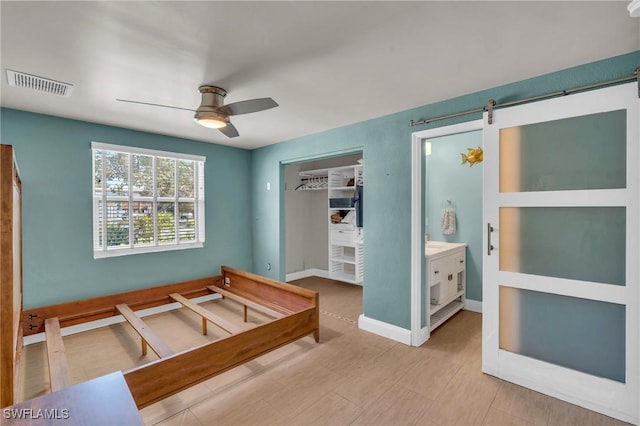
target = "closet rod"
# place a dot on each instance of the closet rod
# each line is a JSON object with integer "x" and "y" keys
{"x": 491, "y": 105}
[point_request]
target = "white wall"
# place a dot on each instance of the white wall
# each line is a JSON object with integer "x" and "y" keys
{"x": 306, "y": 229}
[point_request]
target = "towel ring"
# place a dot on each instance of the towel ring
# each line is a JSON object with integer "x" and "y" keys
{"x": 447, "y": 204}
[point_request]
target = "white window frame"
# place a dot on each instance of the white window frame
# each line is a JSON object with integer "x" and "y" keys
{"x": 198, "y": 199}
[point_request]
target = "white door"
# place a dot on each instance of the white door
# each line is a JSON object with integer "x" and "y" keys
{"x": 561, "y": 257}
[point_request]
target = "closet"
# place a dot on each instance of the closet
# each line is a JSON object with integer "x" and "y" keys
{"x": 324, "y": 212}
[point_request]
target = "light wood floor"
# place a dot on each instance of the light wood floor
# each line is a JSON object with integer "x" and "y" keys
{"x": 350, "y": 378}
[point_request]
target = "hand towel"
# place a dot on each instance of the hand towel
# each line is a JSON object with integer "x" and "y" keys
{"x": 448, "y": 221}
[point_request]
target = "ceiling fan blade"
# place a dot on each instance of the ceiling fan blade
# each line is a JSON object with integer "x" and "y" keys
{"x": 160, "y": 105}
{"x": 245, "y": 107}
{"x": 229, "y": 130}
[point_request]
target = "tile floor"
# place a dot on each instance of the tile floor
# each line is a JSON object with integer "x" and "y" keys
{"x": 351, "y": 377}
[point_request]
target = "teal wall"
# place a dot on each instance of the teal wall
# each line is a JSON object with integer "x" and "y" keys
{"x": 449, "y": 180}
{"x": 386, "y": 144}
{"x": 244, "y": 224}
{"x": 54, "y": 158}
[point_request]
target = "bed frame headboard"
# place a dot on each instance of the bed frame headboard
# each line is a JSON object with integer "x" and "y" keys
{"x": 10, "y": 275}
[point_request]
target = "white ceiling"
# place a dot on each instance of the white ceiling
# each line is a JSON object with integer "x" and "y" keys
{"x": 326, "y": 63}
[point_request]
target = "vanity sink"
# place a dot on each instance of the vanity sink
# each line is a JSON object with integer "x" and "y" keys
{"x": 436, "y": 244}
{"x": 431, "y": 250}
{"x": 436, "y": 247}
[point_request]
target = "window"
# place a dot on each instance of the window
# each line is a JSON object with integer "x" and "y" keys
{"x": 146, "y": 200}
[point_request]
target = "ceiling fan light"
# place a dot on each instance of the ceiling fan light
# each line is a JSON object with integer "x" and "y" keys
{"x": 212, "y": 123}
{"x": 211, "y": 120}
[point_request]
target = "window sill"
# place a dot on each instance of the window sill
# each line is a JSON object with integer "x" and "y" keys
{"x": 115, "y": 252}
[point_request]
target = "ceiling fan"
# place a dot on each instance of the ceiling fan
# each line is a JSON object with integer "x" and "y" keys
{"x": 213, "y": 113}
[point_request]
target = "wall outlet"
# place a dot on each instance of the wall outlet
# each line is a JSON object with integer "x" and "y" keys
{"x": 268, "y": 266}
{"x": 227, "y": 282}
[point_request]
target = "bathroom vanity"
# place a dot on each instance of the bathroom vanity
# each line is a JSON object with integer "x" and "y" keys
{"x": 446, "y": 279}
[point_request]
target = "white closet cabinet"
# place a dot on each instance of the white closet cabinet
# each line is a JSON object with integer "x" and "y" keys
{"x": 346, "y": 260}
{"x": 446, "y": 280}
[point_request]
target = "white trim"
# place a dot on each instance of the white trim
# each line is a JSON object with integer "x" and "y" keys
{"x": 92, "y": 325}
{"x": 422, "y": 336}
{"x": 473, "y": 305}
{"x": 594, "y": 393}
{"x": 114, "y": 252}
{"x": 417, "y": 232}
{"x": 417, "y": 243}
{"x": 384, "y": 329}
{"x": 198, "y": 200}
{"x": 567, "y": 287}
{"x": 144, "y": 151}
{"x": 313, "y": 272}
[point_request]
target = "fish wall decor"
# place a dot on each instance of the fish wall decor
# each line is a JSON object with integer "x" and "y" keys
{"x": 473, "y": 156}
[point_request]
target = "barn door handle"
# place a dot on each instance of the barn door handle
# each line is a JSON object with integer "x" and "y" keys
{"x": 490, "y": 229}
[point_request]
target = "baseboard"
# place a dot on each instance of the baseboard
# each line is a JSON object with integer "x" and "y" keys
{"x": 473, "y": 305}
{"x": 313, "y": 272}
{"x": 384, "y": 329}
{"x": 92, "y": 325}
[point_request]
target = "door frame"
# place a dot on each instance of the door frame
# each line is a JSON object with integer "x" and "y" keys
{"x": 420, "y": 334}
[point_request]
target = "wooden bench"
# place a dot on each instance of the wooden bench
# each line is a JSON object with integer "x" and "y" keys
{"x": 250, "y": 303}
{"x": 58, "y": 367}
{"x": 206, "y": 315}
{"x": 147, "y": 336}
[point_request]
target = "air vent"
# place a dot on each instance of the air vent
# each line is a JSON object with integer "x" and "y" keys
{"x": 40, "y": 84}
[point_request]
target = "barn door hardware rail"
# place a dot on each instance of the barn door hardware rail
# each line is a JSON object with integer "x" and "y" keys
{"x": 492, "y": 105}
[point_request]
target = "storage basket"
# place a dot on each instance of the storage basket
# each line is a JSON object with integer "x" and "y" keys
{"x": 340, "y": 203}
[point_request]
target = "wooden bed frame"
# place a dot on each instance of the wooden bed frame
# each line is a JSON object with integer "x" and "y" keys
{"x": 293, "y": 313}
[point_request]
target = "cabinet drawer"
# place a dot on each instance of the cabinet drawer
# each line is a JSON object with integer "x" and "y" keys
{"x": 460, "y": 261}
{"x": 437, "y": 271}
{"x": 343, "y": 236}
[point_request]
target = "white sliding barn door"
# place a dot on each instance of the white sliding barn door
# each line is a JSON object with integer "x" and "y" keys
{"x": 561, "y": 258}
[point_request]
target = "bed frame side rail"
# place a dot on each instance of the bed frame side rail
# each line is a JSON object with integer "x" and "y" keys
{"x": 160, "y": 379}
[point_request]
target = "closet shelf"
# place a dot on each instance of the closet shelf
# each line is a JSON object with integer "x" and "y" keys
{"x": 310, "y": 173}
{"x": 310, "y": 189}
{"x": 345, "y": 259}
{"x": 346, "y": 277}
